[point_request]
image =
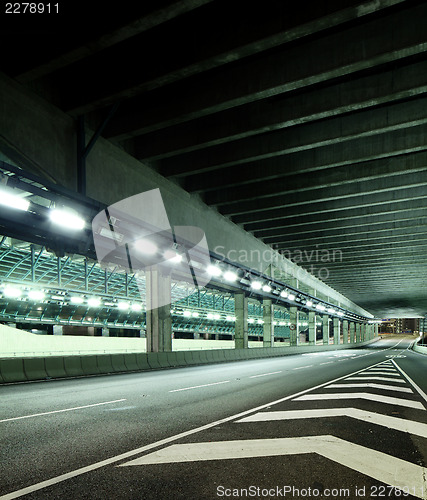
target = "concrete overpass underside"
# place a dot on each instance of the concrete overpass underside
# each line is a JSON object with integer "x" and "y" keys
{"x": 304, "y": 124}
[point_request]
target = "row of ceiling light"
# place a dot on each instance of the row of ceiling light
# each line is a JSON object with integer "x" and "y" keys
{"x": 70, "y": 220}
{"x": 39, "y": 296}
{"x": 66, "y": 218}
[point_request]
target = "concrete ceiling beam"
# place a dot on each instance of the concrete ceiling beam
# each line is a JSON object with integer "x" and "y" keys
{"x": 368, "y": 45}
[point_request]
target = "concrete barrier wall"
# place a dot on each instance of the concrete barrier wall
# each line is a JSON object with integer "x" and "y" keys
{"x": 51, "y": 367}
{"x": 20, "y": 343}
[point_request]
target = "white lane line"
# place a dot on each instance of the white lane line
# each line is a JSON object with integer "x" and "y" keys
{"x": 301, "y": 367}
{"x": 373, "y": 386}
{"x": 327, "y": 363}
{"x": 420, "y": 391}
{"x": 363, "y": 395}
{"x": 137, "y": 451}
{"x": 61, "y": 411}
{"x": 198, "y": 387}
{"x": 398, "y": 424}
{"x": 265, "y": 374}
{"x": 384, "y": 379}
{"x": 380, "y": 466}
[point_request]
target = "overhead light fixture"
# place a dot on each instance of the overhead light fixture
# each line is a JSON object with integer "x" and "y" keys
{"x": 11, "y": 200}
{"x": 195, "y": 314}
{"x": 94, "y": 302}
{"x": 76, "y": 300}
{"x": 172, "y": 256}
{"x": 146, "y": 247}
{"x": 332, "y": 311}
{"x": 214, "y": 271}
{"x": 123, "y": 306}
{"x": 256, "y": 285}
{"x": 340, "y": 313}
{"x": 136, "y": 307}
{"x": 284, "y": 294}
{"x": 231, "y": 318}
{"x": 187, "y": 314}
{"x": 12, "y": 292}
{"x": 67, "y": 219}
{"x": 266, "y": 288}
{"x": 291, "y": 296}
{"x": 260, "y": 322}
{"x": 320, "y": 307}
{"x": 309, "y": 303}
{"x": 230, "y": 276}
{"x": 251, "y": 320}
{"x": 36, "y": 295}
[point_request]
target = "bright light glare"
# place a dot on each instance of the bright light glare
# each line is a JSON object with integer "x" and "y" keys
{"x": 230, "y": 276}
{"x": 284, "y": 294}
{"x": 291, "y": 296}
{"x": 36, "y": 295}
{"x": 266, "y": 288}
{"x": 231, "y": 318}
{"x": 12, "y": 292}
{"x": 136, "y": 307}
{"x": 145, "y": 247}
{"x": 187, "y": 314}
{"x": 213, "y": 270}
{"x": 256, "y": 285}
{"x": 123, "y": 306}
{"x": 94, "y": 302}
{"x": 260, "y": 322}
{"x": 332, "y": 311}
{"x": 13, "y": 201}
{"x": 76, "y": 300}
{"x": 66, "y": 219}
{"x": 172, "y": 256}
{"x": 309, "y": 303}
{"x": 319, "y": 307}
{"x": 251, "y": 320}
{"x": 195, "y": 314}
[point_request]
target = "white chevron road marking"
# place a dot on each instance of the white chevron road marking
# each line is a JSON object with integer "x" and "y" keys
{"x": 398, "y": 424}
{"x": 393, "y": 373}
{"x": 362, "y": 395}
{"x": 372, "y": 386}
{"x": 384, "y": 379}
{"x": 385, "y": 468}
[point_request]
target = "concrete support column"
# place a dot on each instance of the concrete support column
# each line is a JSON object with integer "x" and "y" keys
{"x": 142, "y": 334}
{"x": 376, "y": 326}
{"x": 358, "y": 332}
{"x": 337, "y": 327}
{"x": 345, "y": 331}
{"x": 268, "y": 317}
{"x": 105, "y": 332}
{"x": 159, "y": 319}
{"x": 363, "y": 332}
{"x": 294, "y": 330}
{"x": 325, "y": 329}
{"x": 352, "y": 332}
{"x": 312, "y": 328}
{"x": 241, "y": 325}
{"x": 58, "y": 330}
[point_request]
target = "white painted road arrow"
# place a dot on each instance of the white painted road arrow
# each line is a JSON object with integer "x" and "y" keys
{"x": 387, "y": 469}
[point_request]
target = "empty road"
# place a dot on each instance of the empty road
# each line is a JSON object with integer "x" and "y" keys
{"x": 337, "y": 424}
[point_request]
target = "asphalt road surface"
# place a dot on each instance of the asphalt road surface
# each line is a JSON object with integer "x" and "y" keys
{"x": 337, "y": 424}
